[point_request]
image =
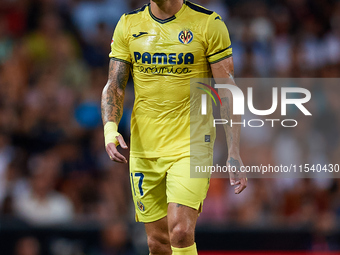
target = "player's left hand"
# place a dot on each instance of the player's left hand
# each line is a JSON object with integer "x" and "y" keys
{"x": 237, "y": 178}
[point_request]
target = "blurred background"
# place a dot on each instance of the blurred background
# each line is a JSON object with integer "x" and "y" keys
{"x": 60, "y": 193}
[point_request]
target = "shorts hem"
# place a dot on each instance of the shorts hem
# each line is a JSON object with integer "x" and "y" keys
{"x": 196, "y": 206}
{"x": 148, "y": 220}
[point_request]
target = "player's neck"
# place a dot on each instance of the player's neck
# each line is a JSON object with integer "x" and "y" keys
{"x": 164, "y": 9}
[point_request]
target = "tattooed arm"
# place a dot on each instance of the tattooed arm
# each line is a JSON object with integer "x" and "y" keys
{"x": 112, "y": 108}
{"x": 224, "y": 71}
{"x": 114, "y": 91}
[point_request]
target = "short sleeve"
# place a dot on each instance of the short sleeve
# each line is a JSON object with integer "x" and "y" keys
{"x": 218, "y": 40}
{"x": 119, "y": 44}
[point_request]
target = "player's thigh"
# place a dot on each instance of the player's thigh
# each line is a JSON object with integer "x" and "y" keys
{"x": 181, "y": 189}
{"x": 148, "y": 189}
{"x": 182, "y": 222}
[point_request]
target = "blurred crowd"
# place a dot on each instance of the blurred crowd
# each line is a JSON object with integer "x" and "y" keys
{"x": 53, "y": 67}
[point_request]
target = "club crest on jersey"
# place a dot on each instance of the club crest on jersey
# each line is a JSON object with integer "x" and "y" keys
{"x": 185, "y": 36}
{"x": 140, "y": 206}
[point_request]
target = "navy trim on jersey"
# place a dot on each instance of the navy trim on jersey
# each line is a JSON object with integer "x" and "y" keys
{"x": 138, "y": 10}
{"x": 216, "y": 61}
{"x": 219, "y": 52}
{"x": 198, "y": 8}
{"x": 162, "y": 21}
{"x": 121, "y": 60}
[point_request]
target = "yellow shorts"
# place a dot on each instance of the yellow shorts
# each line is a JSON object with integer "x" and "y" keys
{"x": 155, "y": 182}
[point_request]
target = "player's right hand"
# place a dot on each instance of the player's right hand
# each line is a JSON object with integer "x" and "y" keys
{"x": 113, "y": 153}
{"x": 238, "y": 179}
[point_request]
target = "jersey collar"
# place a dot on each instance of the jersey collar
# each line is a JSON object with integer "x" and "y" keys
{"x": 163, "y": 21}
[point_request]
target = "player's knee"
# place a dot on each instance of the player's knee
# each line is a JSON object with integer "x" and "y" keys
{"x": 159, "y": 245}
{"x": 181, "y": 235}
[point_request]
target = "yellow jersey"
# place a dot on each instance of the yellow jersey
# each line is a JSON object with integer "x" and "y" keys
{"x": 164, "y": 56}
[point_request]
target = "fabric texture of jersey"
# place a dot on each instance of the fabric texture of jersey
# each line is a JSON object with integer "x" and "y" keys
{"x": 165, "y": 55}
